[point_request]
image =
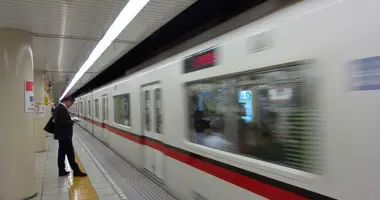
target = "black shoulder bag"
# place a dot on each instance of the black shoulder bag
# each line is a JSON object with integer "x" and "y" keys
{"x": 50, "y": 126}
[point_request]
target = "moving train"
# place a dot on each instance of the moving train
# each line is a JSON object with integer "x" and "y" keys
{"x": 285, "y": 107}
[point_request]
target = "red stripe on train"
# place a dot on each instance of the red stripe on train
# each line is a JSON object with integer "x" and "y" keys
{"x": 255, "y": 186}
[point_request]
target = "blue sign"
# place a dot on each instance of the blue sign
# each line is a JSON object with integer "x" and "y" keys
{"x": 364, "y": 74}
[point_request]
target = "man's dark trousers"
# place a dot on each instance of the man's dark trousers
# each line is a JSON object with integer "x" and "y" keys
{"x": 66, "y": 149}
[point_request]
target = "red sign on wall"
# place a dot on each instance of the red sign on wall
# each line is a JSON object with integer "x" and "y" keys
{"x": 28, "y": 86}
{"x": 29, "y": 97}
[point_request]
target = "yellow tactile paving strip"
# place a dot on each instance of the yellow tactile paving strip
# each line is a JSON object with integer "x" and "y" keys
{"x": 80, "y": 188}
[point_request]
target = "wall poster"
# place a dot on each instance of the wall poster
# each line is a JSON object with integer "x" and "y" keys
{"x": 29, "y": 97}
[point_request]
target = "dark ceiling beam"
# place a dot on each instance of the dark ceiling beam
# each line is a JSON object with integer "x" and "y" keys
{"x": 203, "y": 15}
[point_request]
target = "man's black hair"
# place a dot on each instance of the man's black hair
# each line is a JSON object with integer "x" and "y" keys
{"x": 68, "y": 98}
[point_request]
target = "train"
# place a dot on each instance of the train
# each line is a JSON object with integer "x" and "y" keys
{"x": 281, "y": 108}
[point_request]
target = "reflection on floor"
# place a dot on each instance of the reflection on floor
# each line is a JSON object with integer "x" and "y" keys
{"x": 80, "y": 188}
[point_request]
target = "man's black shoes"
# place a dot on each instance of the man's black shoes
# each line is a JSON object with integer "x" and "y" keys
{"x": 76, "y": 174}
{"x": 80, "y": 174}
{"x": 65, "y": 173}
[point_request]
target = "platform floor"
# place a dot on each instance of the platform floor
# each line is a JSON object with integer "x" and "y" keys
{"x": 109, "y": 176}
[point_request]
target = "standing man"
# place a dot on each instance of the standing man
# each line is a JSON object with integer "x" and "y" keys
{"x": 63, "y": 132}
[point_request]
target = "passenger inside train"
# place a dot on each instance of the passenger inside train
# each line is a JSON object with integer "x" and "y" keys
{"x": 267, "y": 116}
{"x": 215, "y": 137}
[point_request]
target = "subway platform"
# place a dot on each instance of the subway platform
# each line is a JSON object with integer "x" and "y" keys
{"x": 109, "y": 176}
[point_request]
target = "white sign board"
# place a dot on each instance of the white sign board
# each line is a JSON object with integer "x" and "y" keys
{"x": 29, "y": 97}
{"x": 279, "y": 94}
{"x": 40, "y": 109}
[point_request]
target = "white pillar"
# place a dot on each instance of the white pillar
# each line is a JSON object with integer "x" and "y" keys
{"x": 40, "y": 140}
{"x": 17, "y": 167}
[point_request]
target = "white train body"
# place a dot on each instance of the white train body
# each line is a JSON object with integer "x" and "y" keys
{"x": 326, "y": 34}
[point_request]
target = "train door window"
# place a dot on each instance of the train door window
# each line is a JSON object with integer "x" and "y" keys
{"x": 158, "y": 107}
{"x": 122, "y": 109}
{"x": 97, "y": 108}
{"x": 147, "y": 110}
{"x": 84, "y": 108}
{"x": 269, "y": 115}
{"x": 89, "y": 108}
{"x": 105, "y": 108}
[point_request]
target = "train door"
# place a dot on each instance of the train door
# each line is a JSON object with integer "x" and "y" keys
{"x": 105, "y": 117}
{"x": 152, "y": 128}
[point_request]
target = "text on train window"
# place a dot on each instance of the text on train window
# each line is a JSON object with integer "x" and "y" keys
{"x": 269, "y": 115}
{"x": 122, "y": 109}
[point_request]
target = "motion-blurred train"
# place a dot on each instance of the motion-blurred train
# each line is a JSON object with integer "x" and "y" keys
{"x": 286, "y": 107}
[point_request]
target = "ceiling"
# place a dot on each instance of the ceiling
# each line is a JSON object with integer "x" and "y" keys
{"x": 200, "y": 22}
{"x": 66, "y": 31}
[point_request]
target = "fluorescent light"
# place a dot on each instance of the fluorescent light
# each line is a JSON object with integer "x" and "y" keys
{"x": 129, "y": 12}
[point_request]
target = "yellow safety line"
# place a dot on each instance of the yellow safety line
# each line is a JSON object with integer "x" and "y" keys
{"x": 80, "y": 188}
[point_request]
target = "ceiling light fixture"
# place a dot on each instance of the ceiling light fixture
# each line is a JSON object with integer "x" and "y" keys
{"x": 131, "y": 9}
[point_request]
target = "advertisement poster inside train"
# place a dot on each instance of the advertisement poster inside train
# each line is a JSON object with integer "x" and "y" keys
{"x": 245, "y": 99}
{"x": 280, "y": 94}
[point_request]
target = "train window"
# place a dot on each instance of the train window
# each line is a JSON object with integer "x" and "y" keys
{"x": 89, "y": 108}
{"x": 148, "y": 110}
{"x": 269, "y": 115}
{"x": 158, "y": 106}
{"x": 97, "y": 108}
{"x": 122, "y": 109}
